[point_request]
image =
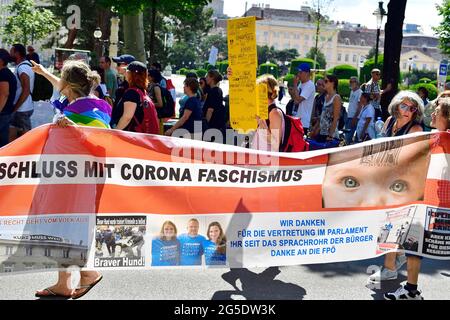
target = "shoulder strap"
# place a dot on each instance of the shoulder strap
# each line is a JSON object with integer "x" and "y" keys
{"x": 287, "y": 125}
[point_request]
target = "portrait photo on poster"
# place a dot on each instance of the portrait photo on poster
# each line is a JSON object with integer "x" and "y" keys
{"x": 386, "y": 173}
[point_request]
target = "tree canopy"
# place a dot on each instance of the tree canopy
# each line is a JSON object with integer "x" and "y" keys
{"x": 443, "y": 30}
{"x": 27, "y": 23}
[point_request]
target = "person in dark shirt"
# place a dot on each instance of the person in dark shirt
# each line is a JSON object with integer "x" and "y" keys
{"x": 122, "y": 62}
{"x": 191, "y": 111}
{"x": 130, "y": 105}
{"x": 32, "y": 55}
{"x": 8, "y": 86}
{"x": 214, "y": 110}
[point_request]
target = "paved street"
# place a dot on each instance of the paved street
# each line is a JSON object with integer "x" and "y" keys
{"x": 312, "y": 282}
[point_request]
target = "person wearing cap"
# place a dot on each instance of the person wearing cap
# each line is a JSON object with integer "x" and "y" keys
{"x": 303, "y": 95}
{"x": 122, "y": 62}
{"x": 32, "y": 55}
{"x": 8, "y": 86}
{"x": 130, "y": 105}
{"x": 372, "y": 87}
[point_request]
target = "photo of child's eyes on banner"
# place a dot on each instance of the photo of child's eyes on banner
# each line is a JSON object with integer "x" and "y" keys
{"x": 383, "y": 174}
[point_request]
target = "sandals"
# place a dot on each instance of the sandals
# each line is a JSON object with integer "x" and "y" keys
{"x": 86, "y": 287}
{"x": 51, "y": 294}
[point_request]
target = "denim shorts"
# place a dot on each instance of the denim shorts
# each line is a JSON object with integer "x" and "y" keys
{"x": 22, "y": 120}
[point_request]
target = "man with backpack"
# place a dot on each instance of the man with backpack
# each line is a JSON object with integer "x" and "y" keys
{"x": 23, "y": 103}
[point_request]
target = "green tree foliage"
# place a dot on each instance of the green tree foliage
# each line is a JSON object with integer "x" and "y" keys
{"x": 296, "y": 62}
{"x": 443, "y": 30}
{"x": 216, "y": 40}
{"x": 27, "y": 23}
{"x": 266, "y": 53}
{"x": 321, "y": 61}
{"x": 344, "y": 89}
{"x": 368, "y": 66}
{"x": 179, "y": 9}
{"x": 269, "y": 68}
{"x": 343, "y": 71}
{"x": 371, "y": 53}
{"x": 432, "y": 90}
{"x": 181, "y": 54}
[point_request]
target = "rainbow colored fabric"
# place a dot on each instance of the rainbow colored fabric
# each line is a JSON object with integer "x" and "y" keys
{"x": 90, "y": 112}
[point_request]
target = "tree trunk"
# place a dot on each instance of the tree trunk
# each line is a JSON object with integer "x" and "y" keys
{"x": 152, "y": 33}
{"x": 133, "y": 29}
{"x": 71, "y": 38}
{"x": 392, "y": 48}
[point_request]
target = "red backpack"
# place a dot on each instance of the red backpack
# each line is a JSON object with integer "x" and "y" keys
{"x": 293, "y": 140}
{"x": 150, "y": 122}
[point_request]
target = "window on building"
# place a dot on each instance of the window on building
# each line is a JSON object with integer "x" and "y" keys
{"x": 363, "y": 42}
{"x": 424, "y": 66}
{"x": 287, "y": 45}
{"x": 8, "y": 267}
{"x": 29, "y": 251}
{"x": 9, "y": 250}
{"x": 266, "y": 34}
{"x": 48, "y": 252}
{"x": 306, "y": 37}
{"x": 322, "y": 39}
{"x": 28, "y": 266}
{"x": 355, "y": 58}
{"x": 347, "y": 41}
{"x": 404, "y": 65}
{"x": 346, "y": 57}
{"x": 66, "y": 253}
{"x": 296, "y": 36}
{"x": 287, "y": 35}
{"x": 339, "y": 56}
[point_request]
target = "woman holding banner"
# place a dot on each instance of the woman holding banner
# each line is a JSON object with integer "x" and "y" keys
{"x": 406, "y": 110}
{"x": 270, "y": 132}
{"x": 440, "y": 119}
{"x": 77, "y": 84}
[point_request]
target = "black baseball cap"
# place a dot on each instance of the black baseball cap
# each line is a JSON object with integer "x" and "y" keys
{"x": 137, "y": 66}
{"x": 125, "y": 58}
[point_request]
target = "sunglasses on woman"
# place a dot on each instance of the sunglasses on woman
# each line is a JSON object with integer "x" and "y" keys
{"x": 405, "y": 107}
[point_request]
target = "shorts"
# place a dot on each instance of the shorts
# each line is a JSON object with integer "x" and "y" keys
{"x": 22, "y": 120}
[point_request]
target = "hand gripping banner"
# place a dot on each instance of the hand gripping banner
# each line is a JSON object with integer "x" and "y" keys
{"x": 106, "y": 199}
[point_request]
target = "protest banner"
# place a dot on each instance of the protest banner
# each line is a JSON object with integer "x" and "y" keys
{"x": 108, "y": 199}
{"x": 242, "y": 58}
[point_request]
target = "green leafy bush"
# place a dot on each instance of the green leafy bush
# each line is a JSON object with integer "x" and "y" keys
{"x": 432, "y": 90}
{"x": 343, "y": 71}
{"x": 296, "y": 62}
{"x": 269, "y": 68}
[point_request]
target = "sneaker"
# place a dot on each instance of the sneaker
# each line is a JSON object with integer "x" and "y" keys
{"x": 403, "y": 294}
{"x": 400, "y": 261}
{"x": 383, "y": 274}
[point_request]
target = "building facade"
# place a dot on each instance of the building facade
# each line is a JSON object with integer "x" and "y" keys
{"x": 340, "y": 42}
{"x": 41, "y": 252}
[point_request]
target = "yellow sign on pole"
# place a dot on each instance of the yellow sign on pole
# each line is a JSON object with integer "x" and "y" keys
{"x": 263, "y": 110}
{"x": 243, "y": 61}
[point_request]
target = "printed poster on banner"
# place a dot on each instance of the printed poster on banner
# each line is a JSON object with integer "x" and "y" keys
{"x": 143, "y": 201}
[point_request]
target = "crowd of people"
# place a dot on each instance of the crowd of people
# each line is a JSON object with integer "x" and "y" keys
{"x": 135, "y": 97}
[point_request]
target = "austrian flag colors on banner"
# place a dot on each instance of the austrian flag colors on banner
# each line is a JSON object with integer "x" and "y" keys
{"x": 107, "y": 199}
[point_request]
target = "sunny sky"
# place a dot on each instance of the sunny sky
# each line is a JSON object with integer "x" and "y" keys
{"x": 421, "y": 12}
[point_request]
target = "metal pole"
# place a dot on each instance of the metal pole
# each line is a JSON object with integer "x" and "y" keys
{"x": 376, "y": 48}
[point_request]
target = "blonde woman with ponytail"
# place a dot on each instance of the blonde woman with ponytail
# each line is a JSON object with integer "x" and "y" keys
{"x": 270, "y": 132}
{"x": 77, "y": 83}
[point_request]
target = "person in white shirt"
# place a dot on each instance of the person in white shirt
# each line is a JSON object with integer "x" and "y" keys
{"x": 354, "y": 108}
{"x": 303, "y": 95}
{"x": 366, "y": 124}
{"x": 23, "y": 108}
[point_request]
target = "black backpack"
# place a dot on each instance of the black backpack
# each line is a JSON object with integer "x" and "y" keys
{"x": 168, "y": 108}
{"x": 342, "y": 118}
{"x": 42, "y": 88}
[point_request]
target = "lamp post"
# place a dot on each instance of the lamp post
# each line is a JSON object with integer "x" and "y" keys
{"x": 379, "y": 13}
{"x": 97, "y": 35}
